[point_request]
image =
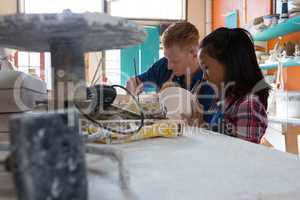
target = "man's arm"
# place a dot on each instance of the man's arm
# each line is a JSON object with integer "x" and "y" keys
{"x": 155, "y": 75}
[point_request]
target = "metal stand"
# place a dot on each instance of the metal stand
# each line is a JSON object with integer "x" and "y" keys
{"x": 48, "y": 156}
{"x": 67, "y": 58}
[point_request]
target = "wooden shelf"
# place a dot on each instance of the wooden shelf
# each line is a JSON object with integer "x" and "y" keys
{"x": 284, "y": 120}
{"x": 290, "y": 26}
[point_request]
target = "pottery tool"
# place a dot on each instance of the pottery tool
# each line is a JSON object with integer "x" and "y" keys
{"x": 135, "y": 75}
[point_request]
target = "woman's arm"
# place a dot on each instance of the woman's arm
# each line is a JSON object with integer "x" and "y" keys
{"x": 196, "y": 118}
{"x": 248, "y": 120}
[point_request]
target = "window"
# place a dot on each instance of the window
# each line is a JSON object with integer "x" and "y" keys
{"x": 57, "y": 6}
{"x": 29, "y": 62}
{"x": 113, "y": 66}
{"x": 145, "y": 9}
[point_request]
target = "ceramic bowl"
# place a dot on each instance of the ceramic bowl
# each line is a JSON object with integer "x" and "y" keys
{"x": 177, "y": 101}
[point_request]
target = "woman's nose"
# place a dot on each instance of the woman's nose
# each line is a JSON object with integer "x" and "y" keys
{"x": 205, "y": 76}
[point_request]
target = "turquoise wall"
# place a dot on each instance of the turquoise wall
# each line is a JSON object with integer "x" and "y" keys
{"x": 145, "y": 55}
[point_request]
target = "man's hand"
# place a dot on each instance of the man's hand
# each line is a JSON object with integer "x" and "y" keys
{"x": 134, "y": 85}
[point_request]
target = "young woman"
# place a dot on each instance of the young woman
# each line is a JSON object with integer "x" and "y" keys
{"x": 227, "y": 58}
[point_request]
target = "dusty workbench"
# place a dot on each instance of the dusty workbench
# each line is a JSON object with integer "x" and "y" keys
{"x": 198, "y": 165}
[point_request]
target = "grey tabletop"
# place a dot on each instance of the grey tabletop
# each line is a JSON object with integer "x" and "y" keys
{"x": 198, "y": 165}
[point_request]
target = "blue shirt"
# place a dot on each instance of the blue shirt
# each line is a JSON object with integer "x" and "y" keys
{"x": 156, "y": 75}
{"x": 159, "y": 73}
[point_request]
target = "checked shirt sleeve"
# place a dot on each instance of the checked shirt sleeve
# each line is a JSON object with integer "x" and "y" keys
{"x": 249, "y": 122}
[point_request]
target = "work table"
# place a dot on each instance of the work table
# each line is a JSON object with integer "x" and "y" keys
{"x": 199, "y": 165}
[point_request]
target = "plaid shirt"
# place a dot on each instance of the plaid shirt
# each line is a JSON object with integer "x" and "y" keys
{"x": 245, "y": 118}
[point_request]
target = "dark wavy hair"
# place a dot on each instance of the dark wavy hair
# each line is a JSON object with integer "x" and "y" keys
{"x": 234, "y": 49}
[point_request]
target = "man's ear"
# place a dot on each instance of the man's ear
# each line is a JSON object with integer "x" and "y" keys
{"x": 194, "y": 51}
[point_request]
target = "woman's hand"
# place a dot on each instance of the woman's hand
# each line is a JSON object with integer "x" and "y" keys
{"x": 169, "y": 83}
{"x": 196, "y": 119}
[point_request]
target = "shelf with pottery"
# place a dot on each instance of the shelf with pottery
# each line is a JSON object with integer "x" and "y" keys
{"x": 287, "y": 62}
{"x": 290, "y": 26}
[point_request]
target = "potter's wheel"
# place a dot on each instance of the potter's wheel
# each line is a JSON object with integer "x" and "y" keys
{"x": 94, "y": 31}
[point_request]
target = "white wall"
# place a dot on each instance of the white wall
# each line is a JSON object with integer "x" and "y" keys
{"x": 196, "y": 15}
{"x": 8, "y": 7}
